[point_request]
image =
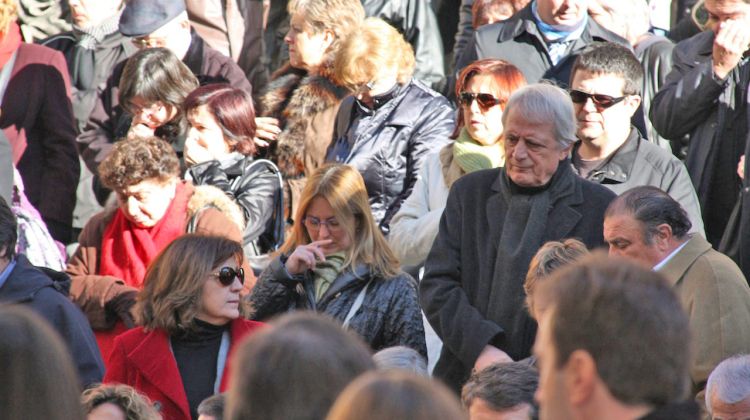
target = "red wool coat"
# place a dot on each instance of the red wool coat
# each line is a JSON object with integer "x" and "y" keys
{"x": 144, "y": 361}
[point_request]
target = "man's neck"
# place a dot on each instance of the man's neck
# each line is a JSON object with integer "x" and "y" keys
{"x": 600, "y": 148}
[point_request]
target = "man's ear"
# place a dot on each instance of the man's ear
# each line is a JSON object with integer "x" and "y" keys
{"x": 580, "y": 377}
{"x": 663, "y": 236}
{"x": 633, "y": 101}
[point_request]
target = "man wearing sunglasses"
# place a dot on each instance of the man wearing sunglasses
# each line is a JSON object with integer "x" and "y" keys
{"x": 606, "y": 91}
{"x": 542, "y": 39}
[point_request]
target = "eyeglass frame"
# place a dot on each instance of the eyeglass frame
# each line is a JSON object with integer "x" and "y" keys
{"x": 326, "y": 223}
{"x": 596, "y": 99}
{"x": 238, "y": 273}
{"x": 467, "y": 98}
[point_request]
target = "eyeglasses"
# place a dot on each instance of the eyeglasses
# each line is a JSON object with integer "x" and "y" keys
{"x": 313, "y": 223}
{"x": 485, "y": 100}
{"x": 227, "y": 275}
{"x": 149, "y": 42}
{"x": 601, "y": 101}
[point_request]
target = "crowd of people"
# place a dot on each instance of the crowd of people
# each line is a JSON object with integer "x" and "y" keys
{"x": 381, "y": 209}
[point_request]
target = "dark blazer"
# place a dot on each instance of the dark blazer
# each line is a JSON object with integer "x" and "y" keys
{"x": 143, "y": 359}
{"x": 45, "y": 292}
{"x": 464, "y": 297}
{"x": 37, "y": 118}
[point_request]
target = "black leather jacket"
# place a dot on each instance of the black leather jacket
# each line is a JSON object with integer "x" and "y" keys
{"x": 389, "y": 315}
{"x": 388, "y": 144}
{"x": 252, "y": 187}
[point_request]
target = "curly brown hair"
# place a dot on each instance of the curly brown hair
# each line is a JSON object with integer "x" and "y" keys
{"x": 132, "y": 403}
{"x": 135, "y": 160}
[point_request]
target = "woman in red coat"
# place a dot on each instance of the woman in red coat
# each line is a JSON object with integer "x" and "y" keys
{"x": 190, "y": 315}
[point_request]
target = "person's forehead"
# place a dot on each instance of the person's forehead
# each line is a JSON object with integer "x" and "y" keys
{"x": 519, "y": 123}
{"x": 721, "y": 409}
{"x": 604, "y": 81}
{"x": 623, "y": 223}
{"x": 725, "y": 6}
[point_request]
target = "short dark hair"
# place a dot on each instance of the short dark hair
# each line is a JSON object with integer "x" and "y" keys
{"x": 652, "y": 207}
{"x": 629, "y": 320}
{"x": 304, "y": 360}
{"x": 502, "y": 386}
{"x": 233, "y": 110}
{"x": 213, "y": 406}
{"x": 8, "y": 231}
{"x": 135, "y": 160}
{"x": 611, "y": 58}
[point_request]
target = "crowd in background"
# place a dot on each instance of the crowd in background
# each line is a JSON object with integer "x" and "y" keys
{"x": 374, "y": 209}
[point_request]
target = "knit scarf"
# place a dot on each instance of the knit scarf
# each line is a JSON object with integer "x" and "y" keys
{"x": 89, "y": 37}
{"x": 326, "y": 272}
{"x": 9, "y": 44}
{"x": 127, "y": 249}
{"x": 472, "y": 156}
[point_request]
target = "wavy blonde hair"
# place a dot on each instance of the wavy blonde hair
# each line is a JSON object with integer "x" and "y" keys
{"x": 344, "y": 189}
{"x": 366, "y": 52}
{"x": 338, "y": 16}
{"x": 171, "y": 297}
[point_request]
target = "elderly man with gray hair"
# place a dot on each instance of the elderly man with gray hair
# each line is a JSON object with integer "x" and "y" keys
{"x": 494, "y": 222}
{"x": 728, "y": 389}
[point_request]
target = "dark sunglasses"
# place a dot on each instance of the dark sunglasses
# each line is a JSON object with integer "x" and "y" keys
{"x": 226, "y": 275}
{"x": 485, "y": 100}
{"x": 601, "y": 101}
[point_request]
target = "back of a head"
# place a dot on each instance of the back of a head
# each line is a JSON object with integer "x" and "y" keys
{"x": 396, "y": 395}
{"x": 8, "y": 231}
{"x": 629, "y": 320}
{"x": 401, "y": 358}
{"x": 502, "y": 386}
{"x": 600, "y": 58}
{"x": 729, "y": 384}
{"x": 295, "y": 369}
{"x": 213, "y": 406}
{"x": 38, "y": 377}
{"x": 550, "y": 257}
{"x": 373, "y": 48}
{"x": 134, "y": 405}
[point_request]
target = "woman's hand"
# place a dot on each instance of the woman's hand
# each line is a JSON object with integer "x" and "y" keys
{"x": 138, "y": 130}
{"x": 196, "y": 153}
{"x": 267, "y": 129}
{"x": 304, "y": 257}
{"x": 489, "y": 356}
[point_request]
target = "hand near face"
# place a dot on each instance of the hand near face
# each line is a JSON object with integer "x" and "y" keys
{"x": 305, "y": 256}
{"x": 267, "y": 130}
{"x": 196, "y": 153}
{"x": 138, "y": 129}
{"x": 489, "y": 356}
{"x": 730, "y": 43}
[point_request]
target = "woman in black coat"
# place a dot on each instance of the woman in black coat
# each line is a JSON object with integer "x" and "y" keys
{"x": 392, "y": 122}
{"x": 219, "y": 151}
{"x": 337, "y": 262}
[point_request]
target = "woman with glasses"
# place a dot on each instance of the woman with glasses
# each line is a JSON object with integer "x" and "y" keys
{"x": 337, "y": 262}
{"x": 392, "y": 122}
{"x": 154, "y": 207}
{"x": 482, "y": 89}
{"x": 190, "y": 316}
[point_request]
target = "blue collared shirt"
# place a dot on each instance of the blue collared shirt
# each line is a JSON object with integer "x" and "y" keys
{"x": 6, "y": 273}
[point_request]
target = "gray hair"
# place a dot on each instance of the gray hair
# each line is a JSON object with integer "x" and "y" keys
{"x": 730, "y": 381}
{"x": 401, "y": 358}
{"x": 543, "y": 102}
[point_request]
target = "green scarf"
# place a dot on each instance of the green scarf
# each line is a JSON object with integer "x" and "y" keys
{"x": 326, "y": 272}
{"x": 472, "y": 156}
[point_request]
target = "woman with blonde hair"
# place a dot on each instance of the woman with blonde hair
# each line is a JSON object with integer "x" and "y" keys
{"x": 298, "y": 109}
{"x": 191, "y": 319}
{"x": 337, "y": 262}
{"x": 391, "y": 123}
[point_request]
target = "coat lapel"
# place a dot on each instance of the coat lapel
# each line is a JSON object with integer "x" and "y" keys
{"x": 162, "y": 372}
{"x": 565, "y": 216}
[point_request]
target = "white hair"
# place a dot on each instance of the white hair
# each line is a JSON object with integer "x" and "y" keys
{"x": 729, "y": 381}
{"x": 542, "y": 103}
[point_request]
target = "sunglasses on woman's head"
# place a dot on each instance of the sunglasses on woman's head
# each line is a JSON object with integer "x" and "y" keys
{"x": 601, "y": 101}
{"x": 485, "y": 100}
{"x": 226, "y": 275}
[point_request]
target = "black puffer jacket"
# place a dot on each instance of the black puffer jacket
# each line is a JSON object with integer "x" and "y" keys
{"x": 388, "y": 144}
{"x": 389, "y": 315}
{"x": 253, "y": 187}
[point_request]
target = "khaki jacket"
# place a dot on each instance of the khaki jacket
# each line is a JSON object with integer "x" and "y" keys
{"x": 716, "y": 297}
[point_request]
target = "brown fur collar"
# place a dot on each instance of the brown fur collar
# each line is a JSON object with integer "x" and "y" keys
{"x": 295, "y": 98}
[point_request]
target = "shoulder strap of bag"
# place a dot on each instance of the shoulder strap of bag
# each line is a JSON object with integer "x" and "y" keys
{"x": 356, "y": 305}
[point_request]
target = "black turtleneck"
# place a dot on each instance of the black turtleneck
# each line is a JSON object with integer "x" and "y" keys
{"x": 196, "y": 352}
